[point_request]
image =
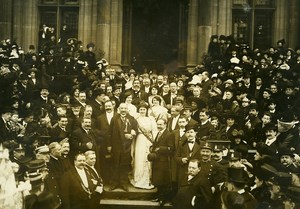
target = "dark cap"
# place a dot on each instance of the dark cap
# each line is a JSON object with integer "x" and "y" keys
{"x": 252, "y": 106}
{"x": 37, "y": 164}
{"x": 206, "y": 145}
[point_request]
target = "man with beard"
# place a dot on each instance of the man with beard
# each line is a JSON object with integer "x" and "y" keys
{"x": 138, "y": 95}
{"x": 123, "y": 130}
{"x": 194, "y": 190}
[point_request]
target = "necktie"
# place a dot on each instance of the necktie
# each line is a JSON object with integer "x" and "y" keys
{"x": 157, "y": 136}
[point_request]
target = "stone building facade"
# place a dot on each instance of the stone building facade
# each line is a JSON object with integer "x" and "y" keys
{"x": 153, "y": 31}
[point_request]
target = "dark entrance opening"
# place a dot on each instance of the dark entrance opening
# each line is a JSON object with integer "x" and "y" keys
{"x": 155, "y": 33}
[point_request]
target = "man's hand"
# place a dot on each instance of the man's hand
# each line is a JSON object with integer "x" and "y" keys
{"x": 185, "y": 160}
{"x": 128, "y": 136}
{"x": 89, "y": 145}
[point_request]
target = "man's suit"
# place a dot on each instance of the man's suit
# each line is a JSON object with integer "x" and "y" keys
{"x": 197, "y": 186}
{"x": 74, "y": 194}
{"x": 184, "y": 151}
{"x": 121, "y": 147}
{"x": 79, "y": 140}
{"x": 177, "y": 142}
{"x": 103, "y": 135}
{"x": 204, "y": 130}
{"x": 163, "y": 146}
{"x": 97, "y": 109}
{"x": 138, "y": 96}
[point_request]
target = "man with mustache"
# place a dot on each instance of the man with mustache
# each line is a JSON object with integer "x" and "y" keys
{"x": 83, "y": 138}
{"x": 103, "y": 127}
{"x": 77, "y": 186}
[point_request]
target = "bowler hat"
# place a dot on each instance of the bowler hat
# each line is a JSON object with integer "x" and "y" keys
{"x": 189, "y": 127}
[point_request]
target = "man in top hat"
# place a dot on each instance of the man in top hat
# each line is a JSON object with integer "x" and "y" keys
{"x": 187, "y": 150}
{"x": 237, "y": 196}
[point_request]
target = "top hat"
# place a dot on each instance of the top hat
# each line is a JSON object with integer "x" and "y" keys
{"x": 285, "y": 151}
{"x": 237, "y": 175}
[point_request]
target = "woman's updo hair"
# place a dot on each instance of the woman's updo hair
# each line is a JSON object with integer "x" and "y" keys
{"x": 157, "y": 98}
{"x": 143, "y": 104}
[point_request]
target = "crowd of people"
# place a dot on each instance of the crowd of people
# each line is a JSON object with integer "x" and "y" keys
{"x": 224, "y": 135}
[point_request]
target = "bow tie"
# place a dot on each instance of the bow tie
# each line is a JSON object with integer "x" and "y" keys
{"x": 191, "y": 142}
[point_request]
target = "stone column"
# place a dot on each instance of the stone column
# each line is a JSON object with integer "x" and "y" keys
{"x": 294, "y": 23}
{"x": 5, "y": 19}
{"x": 127, "y": 24}
{"x": 225, "y": 17}
{"x": 86, "y": 18}
{"x": 30, "y": 23}
{"x": 204, "y": 28}
{"x": 281, "y": 21}
{"x": 183, "y": 30}
{"x": 116, "y": 33}
{"x": 103, "y": 27}
{"x": 192, "y": 39}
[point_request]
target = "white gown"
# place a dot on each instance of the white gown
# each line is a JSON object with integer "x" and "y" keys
{"x": 141, "y": 175}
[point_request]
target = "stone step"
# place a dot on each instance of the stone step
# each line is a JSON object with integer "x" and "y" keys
{"x": 105, "y": 203}
{"x": 132, "y": 194}
{"x": 135, "y": 198}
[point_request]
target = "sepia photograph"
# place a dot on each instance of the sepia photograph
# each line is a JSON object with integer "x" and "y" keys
{"x": 149, "y": 104}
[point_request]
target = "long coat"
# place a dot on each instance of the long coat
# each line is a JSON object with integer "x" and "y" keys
{"x": 74, "y": 196}
{"x": 121, "y": 147}
{"x": 161, "y": 167}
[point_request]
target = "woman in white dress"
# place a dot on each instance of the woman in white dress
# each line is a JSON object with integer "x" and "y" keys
{"x": 141, "y": 175}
